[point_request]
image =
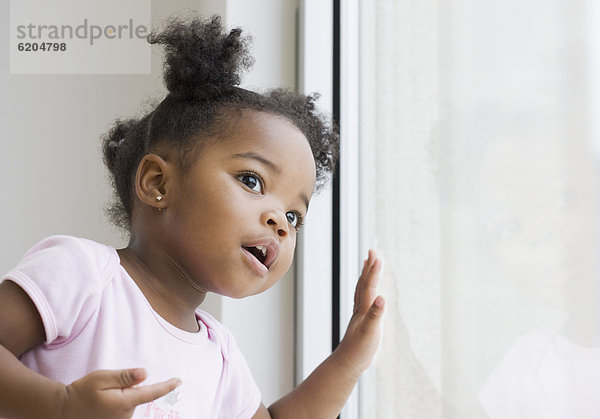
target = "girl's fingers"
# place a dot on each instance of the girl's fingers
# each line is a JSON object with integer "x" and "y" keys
{"x": 357, "y": 288}
{"x": 369, "y": 284}
{"x": 366, "y": 286}
{"x": 109, "y": 379}
{"x": 376, "y": 309}
{"x": 145, "y": 394}
{"x": 126, "y": 380}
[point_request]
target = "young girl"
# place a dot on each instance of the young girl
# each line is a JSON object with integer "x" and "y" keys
{"x": 212, "y": 187}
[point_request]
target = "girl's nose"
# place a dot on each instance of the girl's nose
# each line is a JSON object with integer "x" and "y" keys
{"x": 277, "y": 221}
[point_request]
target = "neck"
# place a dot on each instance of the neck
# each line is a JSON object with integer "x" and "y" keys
{"x": 168, "y": 290}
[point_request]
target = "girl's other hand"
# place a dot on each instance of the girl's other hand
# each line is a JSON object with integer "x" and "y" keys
{"x": 361, "y": 340}
{"x": 111, "y": 394}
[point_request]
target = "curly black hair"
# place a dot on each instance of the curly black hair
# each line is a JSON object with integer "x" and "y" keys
{"x": 202, "y": 72}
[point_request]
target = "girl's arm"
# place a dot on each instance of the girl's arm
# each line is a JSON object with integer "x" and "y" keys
{"x": 26, "y": 394}
{"x": 324, "y": 392}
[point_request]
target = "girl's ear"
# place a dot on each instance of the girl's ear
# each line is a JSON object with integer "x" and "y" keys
{"x": 151, "y": 181}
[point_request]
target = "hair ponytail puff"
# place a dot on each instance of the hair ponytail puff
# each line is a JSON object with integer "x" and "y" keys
{"x": 202, "y": 62}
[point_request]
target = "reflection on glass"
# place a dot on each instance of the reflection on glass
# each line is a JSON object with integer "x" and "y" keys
{"x": 536, "y": 200}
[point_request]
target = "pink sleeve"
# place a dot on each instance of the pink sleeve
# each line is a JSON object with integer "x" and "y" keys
{"x": 61, "y": 276}
{"x": 242, "y": 397}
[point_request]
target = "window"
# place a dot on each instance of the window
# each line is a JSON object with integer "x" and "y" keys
{"x": 471, "y": 164}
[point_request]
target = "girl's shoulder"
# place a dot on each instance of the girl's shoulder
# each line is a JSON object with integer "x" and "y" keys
{"x": 65, "y": 277}
{"x": 67, "y": 247}
{"x": 69, "y": 257}
{"x": 67, "y": 241}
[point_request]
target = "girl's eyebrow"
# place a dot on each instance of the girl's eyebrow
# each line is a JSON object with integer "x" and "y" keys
{"x": 269, "y": 164}
{"x": 250, "y": 155}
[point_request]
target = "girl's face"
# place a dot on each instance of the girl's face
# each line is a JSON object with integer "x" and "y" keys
{"x": 233, "y": 217}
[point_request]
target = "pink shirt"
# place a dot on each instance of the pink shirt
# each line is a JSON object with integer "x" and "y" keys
{"x": 95, "y": 317}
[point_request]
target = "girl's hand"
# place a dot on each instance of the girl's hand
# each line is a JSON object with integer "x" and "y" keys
{"x": 361, "y": 340}
{"x": 111, "y": 394}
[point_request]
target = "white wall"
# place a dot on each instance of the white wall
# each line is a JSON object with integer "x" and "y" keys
{"x": 53, "y": 180}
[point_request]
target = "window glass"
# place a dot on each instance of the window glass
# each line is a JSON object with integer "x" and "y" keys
{"x": 479, "y": 181}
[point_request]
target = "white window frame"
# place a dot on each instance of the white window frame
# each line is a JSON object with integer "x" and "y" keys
{"x": 314, "y": 257}
{"x": 314, "y": 247}
{"x": 350, "y": 257}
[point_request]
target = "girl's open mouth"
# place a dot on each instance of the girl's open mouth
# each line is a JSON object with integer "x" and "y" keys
{"x": 259, "y": 252}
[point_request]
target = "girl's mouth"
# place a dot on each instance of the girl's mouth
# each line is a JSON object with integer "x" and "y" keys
{"x": 253, "y": 259}
{"x": 259, "y": 252}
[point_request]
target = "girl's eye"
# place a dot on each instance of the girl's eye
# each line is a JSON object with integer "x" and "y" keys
{"x": 294, "y": 219}
{"x": 252, "y": 182}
